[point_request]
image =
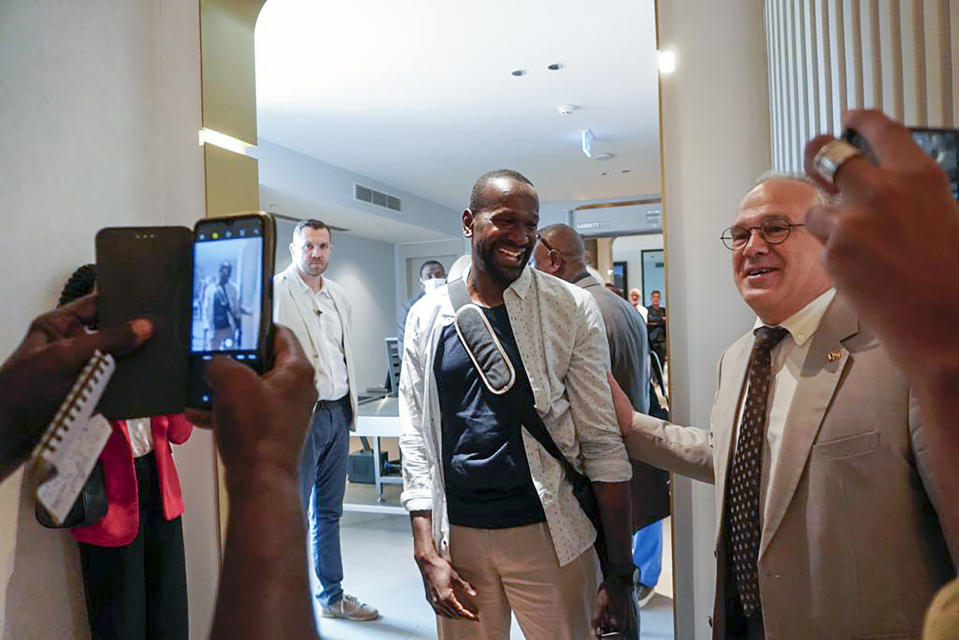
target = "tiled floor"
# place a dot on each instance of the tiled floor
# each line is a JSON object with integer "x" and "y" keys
{"x": 379, "y": 569}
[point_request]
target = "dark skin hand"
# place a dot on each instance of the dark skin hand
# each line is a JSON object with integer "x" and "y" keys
{"x": 38, "y": 375}
{"x": 440, "y": 579}
{"x": 260, "y": 423}
{"x": 613, "y": 602}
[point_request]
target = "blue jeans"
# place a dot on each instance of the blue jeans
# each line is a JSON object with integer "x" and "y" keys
{"x": 648, "y": 553}
{"x": 322, "y": 485}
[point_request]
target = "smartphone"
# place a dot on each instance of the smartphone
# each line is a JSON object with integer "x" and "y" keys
{"x": 941, "y": 144}
{"x": 231, "y": 310}
{"x": 145, "y": 272}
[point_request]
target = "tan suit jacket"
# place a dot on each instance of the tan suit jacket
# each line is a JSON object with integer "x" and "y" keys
{"x": 851, "y": 546}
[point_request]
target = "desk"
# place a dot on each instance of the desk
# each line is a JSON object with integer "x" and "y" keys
{"x": 378, "y": 419}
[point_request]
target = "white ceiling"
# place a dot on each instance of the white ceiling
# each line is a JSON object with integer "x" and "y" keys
{"x": 418, "y": 94}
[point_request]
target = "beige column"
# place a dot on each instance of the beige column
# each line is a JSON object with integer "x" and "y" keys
{"x": 715, "y": 141}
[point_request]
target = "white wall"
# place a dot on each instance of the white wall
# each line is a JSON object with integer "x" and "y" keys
{"x": 298, "y": 185}
{"x": 98, "y": 121}
{"x": 715, "y": 123}
{"x": 364, "y": 268}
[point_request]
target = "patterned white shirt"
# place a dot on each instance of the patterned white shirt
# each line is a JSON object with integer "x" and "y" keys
{"x": 562, "y": 341}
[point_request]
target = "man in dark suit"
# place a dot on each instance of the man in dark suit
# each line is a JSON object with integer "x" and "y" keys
{"x": 656, "y": 323}
{"x": 560, "y": 251}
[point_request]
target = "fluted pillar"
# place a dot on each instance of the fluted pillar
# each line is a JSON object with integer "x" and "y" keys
{"x": 826, "y": 56}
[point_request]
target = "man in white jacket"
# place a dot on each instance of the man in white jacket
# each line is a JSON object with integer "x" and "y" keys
{"x": 319, "y": 314}
{"x": 496, "y": 527}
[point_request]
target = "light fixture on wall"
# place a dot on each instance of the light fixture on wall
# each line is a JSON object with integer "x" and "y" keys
{"x": 224, "y": 141}
{"x": 667, "y": 61}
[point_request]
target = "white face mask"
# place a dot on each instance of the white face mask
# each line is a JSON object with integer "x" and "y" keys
{"x": 432, "y": 283}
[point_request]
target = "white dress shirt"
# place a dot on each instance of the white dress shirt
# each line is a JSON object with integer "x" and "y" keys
{"x": 141, "y": 436}
{"x": 787, "y": 359}
{"x": 643, "y": 311}
{"x": 332, "y": 381}
{"x": 562, "y": 340}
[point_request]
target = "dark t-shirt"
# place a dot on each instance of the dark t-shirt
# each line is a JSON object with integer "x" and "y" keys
{"x": 221, "y": 306}
{"x": 488, "y": 484}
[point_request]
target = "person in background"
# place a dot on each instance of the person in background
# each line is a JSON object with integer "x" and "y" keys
{"x": 656, "y": 323}
{"x": 222, "y": 310}
{"x": 560, "y": 252}
{"x": 819, "y": 524}
{"x": 892, "y": 228}
{"x": 432, "y": 276}
{"x": 134, "y": 574}
{"x": 496, "y": 527}
{"x": 318, "y": 312}
{"x": 636, "y": 299}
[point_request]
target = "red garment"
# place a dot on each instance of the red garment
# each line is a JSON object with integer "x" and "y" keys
{"x": 119, "y": 526}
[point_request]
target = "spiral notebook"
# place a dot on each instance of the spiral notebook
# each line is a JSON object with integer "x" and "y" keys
{"x": 74, "y": 439}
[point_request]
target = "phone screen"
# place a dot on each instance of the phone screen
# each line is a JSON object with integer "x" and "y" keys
{"x": 227, "y": 288}
{"x": 943, "y": 146}
{"x": 228, "y": 312}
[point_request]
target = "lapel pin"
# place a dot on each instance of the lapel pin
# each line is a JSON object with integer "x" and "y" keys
{"x": 833, "y": 356}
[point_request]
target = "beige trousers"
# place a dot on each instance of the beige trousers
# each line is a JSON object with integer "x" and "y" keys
{"x": 516, "y": 570}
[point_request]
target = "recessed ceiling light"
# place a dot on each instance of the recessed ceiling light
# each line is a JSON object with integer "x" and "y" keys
{"x": 519, "y": 72}
{"x": 605, "y": 173}
{"x": 604, "y": 156}
{"x": 626, "y": 170}
{"x": 556, "y": 66}
{"x": 566, "y": 109}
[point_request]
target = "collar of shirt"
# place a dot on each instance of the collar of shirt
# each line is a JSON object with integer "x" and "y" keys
{"x": 804, "y": 323}
{"x": 324, "y": 290}
{"x": 519, "y": 286}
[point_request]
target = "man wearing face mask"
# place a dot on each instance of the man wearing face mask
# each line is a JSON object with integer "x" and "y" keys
{"x": 432, "y": 276}
{"x": 496, "y": 527}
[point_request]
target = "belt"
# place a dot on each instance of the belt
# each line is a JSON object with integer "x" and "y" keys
{"x": 325, "y": 404}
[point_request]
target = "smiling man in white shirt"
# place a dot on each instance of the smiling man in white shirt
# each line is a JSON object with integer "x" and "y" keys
{"x": 318, "y": 312}
{"x": 826, "y": 524}
{"x": 496, "y": 526}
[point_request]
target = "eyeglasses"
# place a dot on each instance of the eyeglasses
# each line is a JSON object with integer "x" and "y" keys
{"x": 549, "y": 247}
{"x": 772, "y": 230}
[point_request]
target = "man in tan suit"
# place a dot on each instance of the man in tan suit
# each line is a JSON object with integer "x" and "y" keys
{"x": 825, "y": 524}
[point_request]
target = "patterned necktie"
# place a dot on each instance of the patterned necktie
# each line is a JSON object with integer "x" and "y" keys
{"x": 742, "y": 499}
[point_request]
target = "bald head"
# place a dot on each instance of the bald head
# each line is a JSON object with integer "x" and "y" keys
{"x": 489, "y": 187}
{"x": 560, "y": 252}
{"x": 564, "y": 239}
